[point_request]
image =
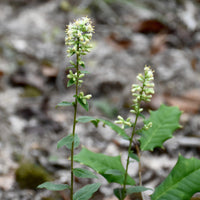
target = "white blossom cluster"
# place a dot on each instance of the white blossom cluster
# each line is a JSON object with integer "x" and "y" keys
{"x": 144, "y": 91}
{"x": 78, "y": 36}
{"x": 140, "y": 92}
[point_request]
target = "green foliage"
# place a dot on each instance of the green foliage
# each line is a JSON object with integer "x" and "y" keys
{"x": 181, "y": 183}
{"x": 164, "y": 122}
{"x": 65, "y": 103}
{"x": 136, "y": 189}
{"x": 102, "y": 163}
{"x": 83, "y": 173}
{"x": 29, "y": 175}
{"x": 95, "y": 121}
{"x": 86, "y": 192}
{"x": 67, "y": 141}
{"x": 53, "y": 186}
{"x": 134, "y": 156}
{"x": 70, "y": 82}
{"x": 84, "y": 105}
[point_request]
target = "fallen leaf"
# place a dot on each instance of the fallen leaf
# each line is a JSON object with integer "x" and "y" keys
{"x": 151, "y": 26}
{"x": 192, "y": 95}
{"x": 185, "y": 105}
{"x": 119, "y": 42}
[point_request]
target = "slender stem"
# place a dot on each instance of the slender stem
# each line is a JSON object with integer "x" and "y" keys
{"x": 129, "y": 151}
{"x": 74, "y": 125}
{"x": 140, "y": 166}
{"x": 128, "y": 158}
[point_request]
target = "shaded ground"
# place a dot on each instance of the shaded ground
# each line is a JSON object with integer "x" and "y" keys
{"x": 129, "y": 34}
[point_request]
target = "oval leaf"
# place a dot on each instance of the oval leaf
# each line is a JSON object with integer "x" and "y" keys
{"x": 134, "y": 156}
{"x": 114, "y": 172}
{"x": 181, "y": 183}
{"x": 86, "y": 192}
{"x": 53, "y": 186}
{"x": 136, "y": 189}
{"x": 83, "y": 173}
{"x": 164, "y": 122}
{"x": 67, "y": 141}
{"x": 102, "y": 163}
{"x": 65, "y": 103}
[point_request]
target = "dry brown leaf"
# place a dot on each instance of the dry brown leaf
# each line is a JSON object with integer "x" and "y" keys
{"x": 185, "y": 105}
{"x": 192, "y": 95}
{"x": 119, "y": 42}
{"x": 151, "y": 26}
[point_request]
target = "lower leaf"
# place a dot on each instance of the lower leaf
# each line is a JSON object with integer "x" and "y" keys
{"x": 86, "y": 192}
{"x": 83, "y": 173}
{"x": 108, "y": 166}
{"x": 181, "y": 183}
{"x": 53, "y": 186}
{"x": 67, "y": 141}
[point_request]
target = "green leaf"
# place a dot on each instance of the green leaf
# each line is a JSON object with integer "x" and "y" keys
{"x": 118, "y": 192}
{"x": 70, "y": 82}
{"x": 116, "y": 128}
{"x": 95, "y": 121}
{"x": 67, "y": 141}
{"x": 86, "y": 192}
{"x": 102, "y": 163}
{"x": 114, "y": 172}
{"x": 84, "y": 105}
{"x": 134, "y": 156}
{"x": 83, "y": 173}
{"x": 65, "y": 103}
{"x": 84, "y": 72}
{"x": 53, "y": 186}
{"x": 85, "y": 119}
{"x": 164, "y": 122}
{"x": 136, "y": 189}
{"x": 181, "y": 183}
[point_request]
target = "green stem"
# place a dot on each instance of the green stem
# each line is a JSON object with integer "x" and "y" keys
{"x": 140, "y": 166}
{"x": 128, "y": 159}
{"x": 129, "y": 151}
{"x": 74, "y": 125}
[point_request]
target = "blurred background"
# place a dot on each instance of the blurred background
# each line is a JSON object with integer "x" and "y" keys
{"x": 129, "y": 34}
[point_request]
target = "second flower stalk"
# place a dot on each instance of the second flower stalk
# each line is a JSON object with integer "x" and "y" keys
{"x": 140, "y": 92}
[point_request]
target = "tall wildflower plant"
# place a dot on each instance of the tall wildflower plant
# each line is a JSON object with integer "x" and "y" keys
{"x": 140, "y": 92}
{"x": 183, "y": 180}
{"x": 78, "y": 37}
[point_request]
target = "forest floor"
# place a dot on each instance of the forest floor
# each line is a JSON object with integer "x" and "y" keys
{"x": 128, "y": 35}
